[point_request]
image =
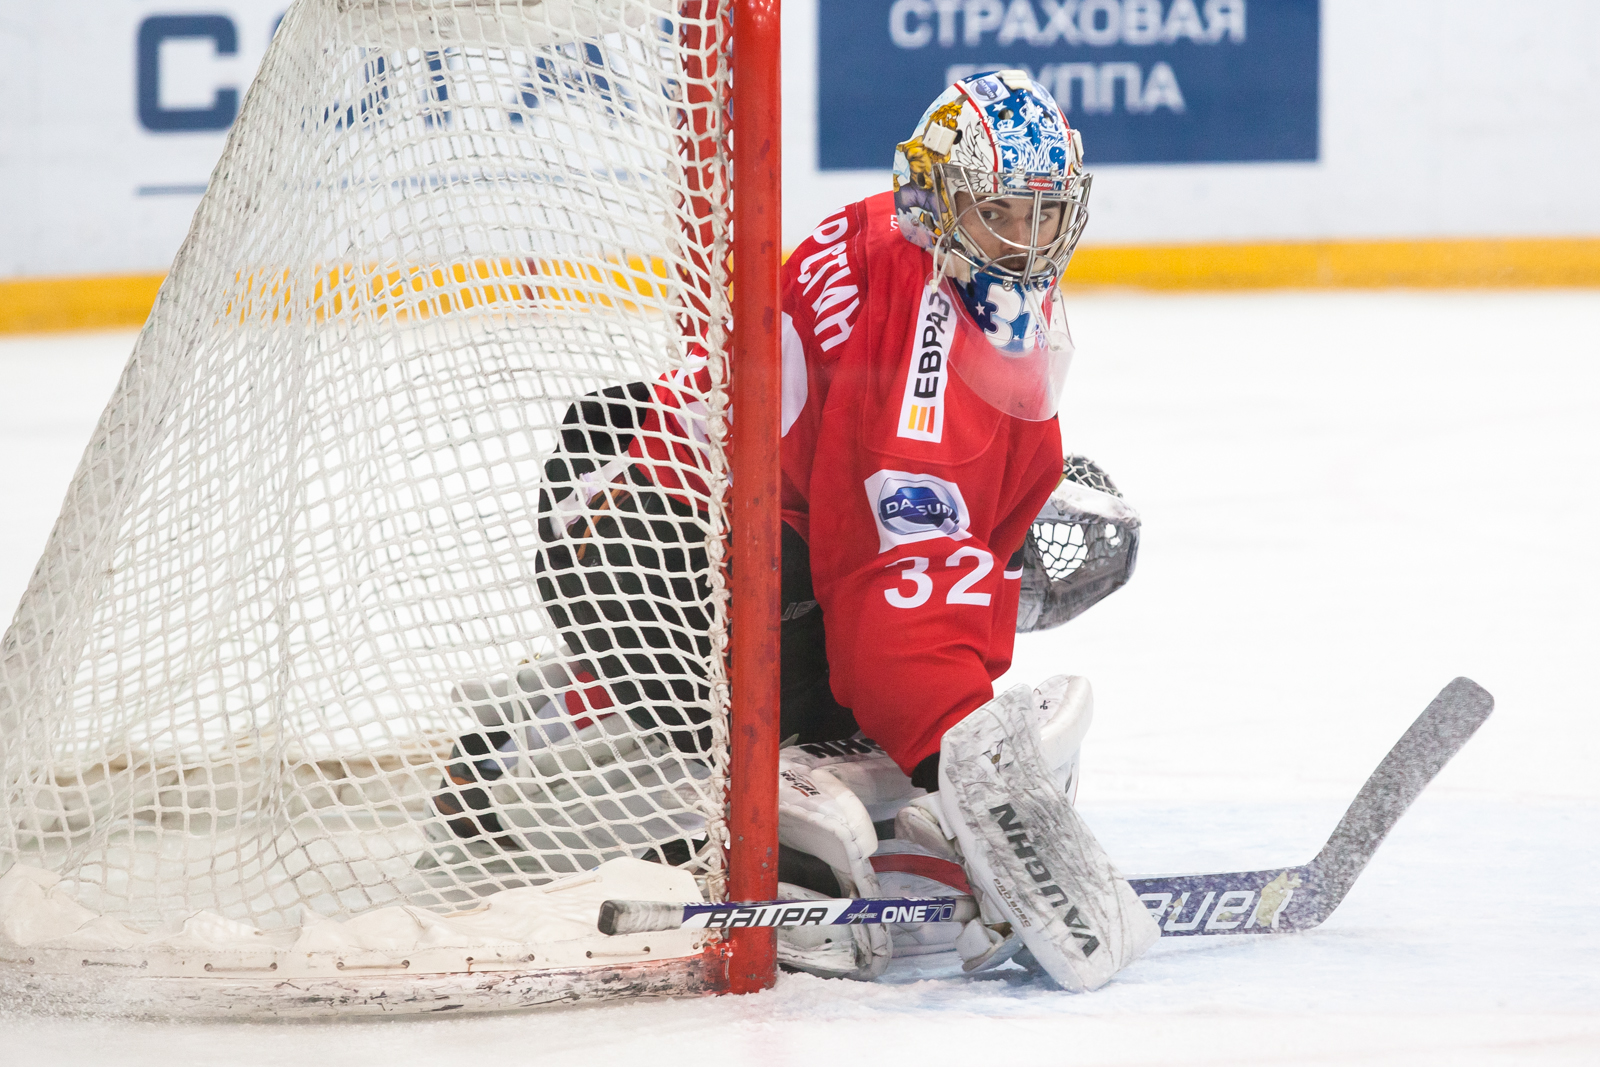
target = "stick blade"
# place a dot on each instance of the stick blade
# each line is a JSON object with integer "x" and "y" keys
{"x": 1420, "y": 754}
{"x": 1299, "y": 898}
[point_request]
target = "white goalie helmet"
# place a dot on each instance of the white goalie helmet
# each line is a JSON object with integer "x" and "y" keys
{"x": 992, "y": 184}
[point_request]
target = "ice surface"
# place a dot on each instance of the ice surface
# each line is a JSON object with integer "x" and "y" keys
{"x": 1348, "y": 499}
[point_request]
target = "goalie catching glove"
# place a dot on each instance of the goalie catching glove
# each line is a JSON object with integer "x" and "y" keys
{"x": 1081, "y": 548}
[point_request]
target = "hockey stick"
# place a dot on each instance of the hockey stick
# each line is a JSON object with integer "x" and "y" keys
{"x": 1246, "y": 902}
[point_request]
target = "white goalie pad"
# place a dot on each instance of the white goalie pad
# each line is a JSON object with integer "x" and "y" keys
{"x": 857, "y": 952}
{"x": 1028, "y": 853}
{"x": 1063, "y": 706}
{"x": 862, "y": 767}
{"x": 820, "y": 816}
{"x": 566, "y": 767}
{"x": 930, "y": 867}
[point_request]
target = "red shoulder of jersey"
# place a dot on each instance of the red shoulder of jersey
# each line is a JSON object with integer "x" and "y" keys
{"x": 830, "y": 279}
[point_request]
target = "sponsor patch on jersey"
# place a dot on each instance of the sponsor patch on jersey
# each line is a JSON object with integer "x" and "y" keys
{"x": 915, "y": 507}
{"x": 928, "y": 373}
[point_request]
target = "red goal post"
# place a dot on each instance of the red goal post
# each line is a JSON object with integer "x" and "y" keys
{"x": 756, "y": 556}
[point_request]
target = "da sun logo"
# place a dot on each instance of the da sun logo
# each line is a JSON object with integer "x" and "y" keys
{"x": 915, "y": 507}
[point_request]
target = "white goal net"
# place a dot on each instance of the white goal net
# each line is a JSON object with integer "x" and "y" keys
{"x": 359, "y": 617}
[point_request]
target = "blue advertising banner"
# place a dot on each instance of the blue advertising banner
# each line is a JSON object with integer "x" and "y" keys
{"x": 1146, "y": 81}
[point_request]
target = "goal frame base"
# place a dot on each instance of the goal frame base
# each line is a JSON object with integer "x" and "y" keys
{"x": 119, "y": 993}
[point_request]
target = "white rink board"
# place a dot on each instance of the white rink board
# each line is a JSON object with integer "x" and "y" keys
{"x": 105, "y": 194}
{"x": 1440, "y": 118}
{"x": 1347, "y": 500}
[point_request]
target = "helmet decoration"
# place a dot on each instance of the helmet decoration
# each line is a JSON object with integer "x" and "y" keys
{"x": 992, "y": 184}
{"x": 998, "y": 135}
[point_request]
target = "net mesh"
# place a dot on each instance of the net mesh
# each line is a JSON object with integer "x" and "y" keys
{"x": 300, "y": 642}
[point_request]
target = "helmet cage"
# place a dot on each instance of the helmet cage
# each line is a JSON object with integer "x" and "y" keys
{"x": 1046, "y": 261}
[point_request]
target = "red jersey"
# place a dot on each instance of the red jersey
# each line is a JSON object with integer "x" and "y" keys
{"x": 910, "y": 489}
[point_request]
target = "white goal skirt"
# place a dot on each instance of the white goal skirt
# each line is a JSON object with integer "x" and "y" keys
{"x": 340, "y": 657}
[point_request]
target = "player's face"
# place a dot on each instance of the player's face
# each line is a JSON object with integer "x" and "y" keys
{"x": 999, "y": 226}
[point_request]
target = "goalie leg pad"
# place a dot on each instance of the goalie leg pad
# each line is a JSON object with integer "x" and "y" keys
{"x": 821, "y": 817}
{"x": 1064, "y": 708}
{"x": 859, "y": 952}
{"x": 1029, "y": 854}
{"x": 860, "y": 766}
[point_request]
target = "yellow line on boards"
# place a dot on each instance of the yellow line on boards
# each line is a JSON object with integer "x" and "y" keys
{"x": 1439, "y": 264}
{"x": 29, "y": 305}
{"x": 36, "y": 305}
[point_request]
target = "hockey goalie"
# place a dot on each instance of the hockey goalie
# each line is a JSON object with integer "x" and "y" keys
{"x": 928, "y": 515}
